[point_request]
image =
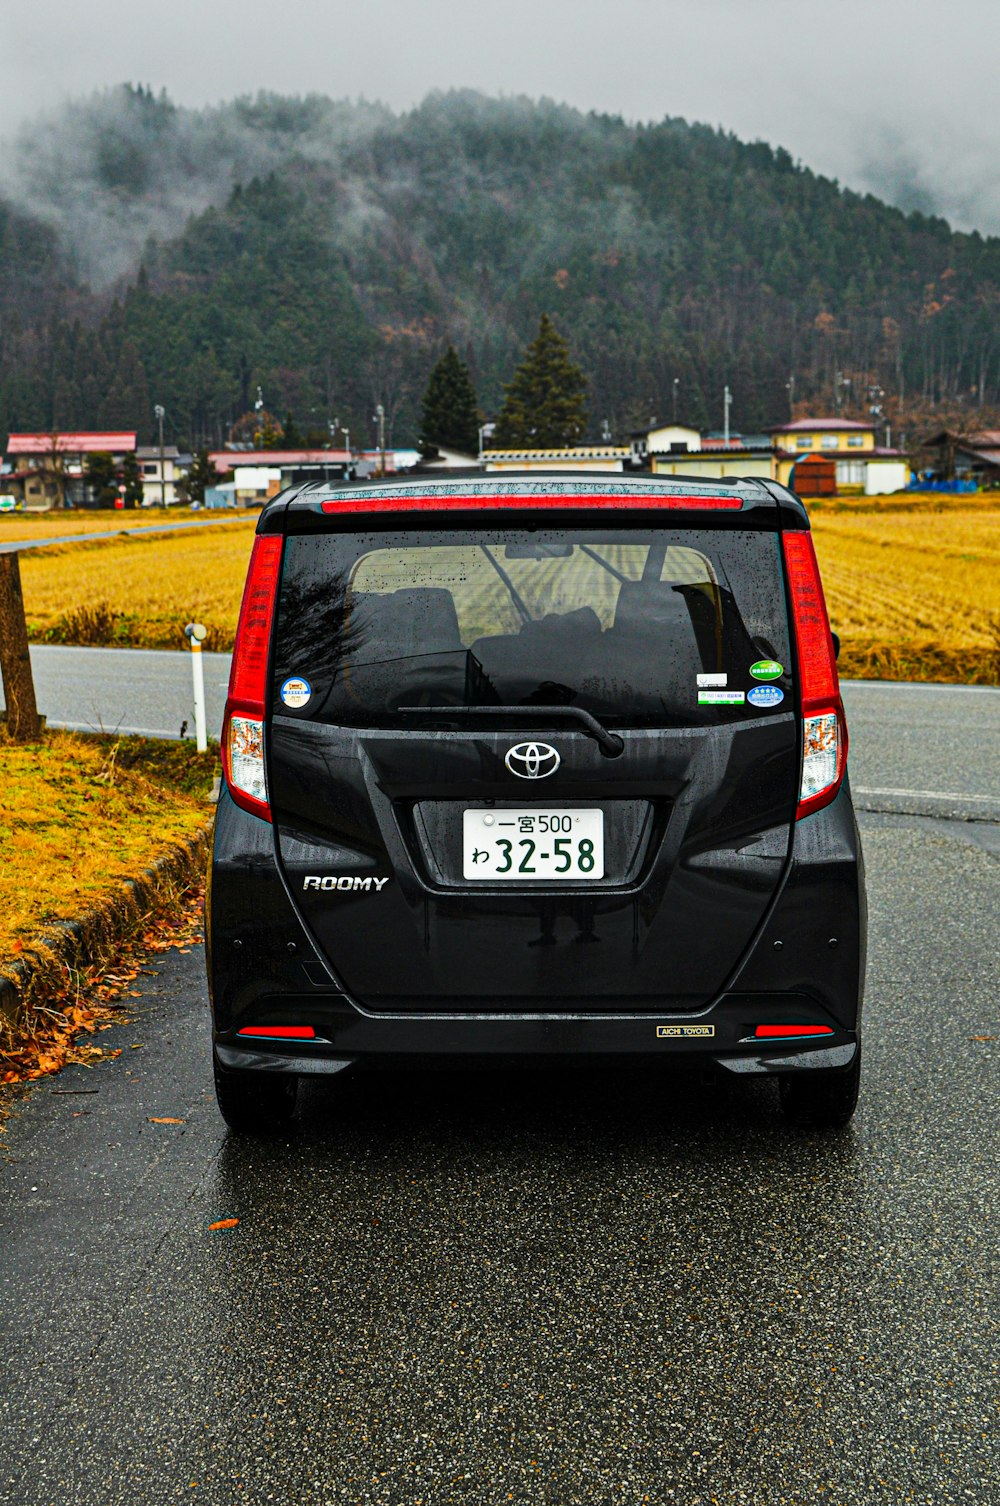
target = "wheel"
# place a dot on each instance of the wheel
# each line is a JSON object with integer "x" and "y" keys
{"x": 821, "y": 1100}
{"x": 255, "y": 1103}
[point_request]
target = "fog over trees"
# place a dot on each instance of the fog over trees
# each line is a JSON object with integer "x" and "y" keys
{"x": 330, "y": 252}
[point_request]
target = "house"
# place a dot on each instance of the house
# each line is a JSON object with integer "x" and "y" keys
{"x": 155, "y": 494}
{"x": 965, "y": 457}
{"x": 260, "y": 474}
{"x": 590, "y": 457}
{"x": 861, "y": 466}
{"x": 50, "y": 468}
{"x": 716, "y": 455}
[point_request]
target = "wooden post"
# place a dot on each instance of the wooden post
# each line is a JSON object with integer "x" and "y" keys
{"x": 23, "y": 723}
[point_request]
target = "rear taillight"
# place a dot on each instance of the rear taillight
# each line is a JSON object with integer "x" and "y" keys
{"x": 243, "y": 727}
{"x": 824, "y": 730}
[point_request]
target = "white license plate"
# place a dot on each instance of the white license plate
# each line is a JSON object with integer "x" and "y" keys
{"x": 527, "y": 845}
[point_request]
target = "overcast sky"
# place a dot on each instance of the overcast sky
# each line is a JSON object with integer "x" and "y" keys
{"x": 868, "y": 91}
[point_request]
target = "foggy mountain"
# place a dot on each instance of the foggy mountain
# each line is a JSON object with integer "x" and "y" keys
{"x": 328, "y": 249}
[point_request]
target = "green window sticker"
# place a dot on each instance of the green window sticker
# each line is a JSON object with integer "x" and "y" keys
{"x": 767, "y": 669}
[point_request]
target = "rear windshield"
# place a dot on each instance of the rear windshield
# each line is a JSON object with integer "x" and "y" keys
{"x": 641, "y": 627}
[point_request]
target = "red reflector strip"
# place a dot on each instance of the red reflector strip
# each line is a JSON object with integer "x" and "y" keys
{"x": 535, "y": 504}
{"x": 771, "y": 1032}
{"x": 249, "y": 670}
{"x": 281, "y": 1032}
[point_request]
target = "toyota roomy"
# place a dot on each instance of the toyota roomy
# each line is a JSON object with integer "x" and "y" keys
{"x": 535, "y": 767}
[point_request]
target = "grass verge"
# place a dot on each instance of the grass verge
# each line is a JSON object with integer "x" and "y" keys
{"x": 104, "y": 841}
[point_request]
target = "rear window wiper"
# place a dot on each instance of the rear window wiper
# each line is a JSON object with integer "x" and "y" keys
{"x": 609, "y": 743}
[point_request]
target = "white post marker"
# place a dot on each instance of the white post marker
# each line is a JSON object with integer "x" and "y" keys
{"x": 196, "y": 634}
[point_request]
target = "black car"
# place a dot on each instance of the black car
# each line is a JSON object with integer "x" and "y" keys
{"x": 525, "y": 767}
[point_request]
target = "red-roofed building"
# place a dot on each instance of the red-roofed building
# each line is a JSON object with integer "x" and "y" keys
{"x": 46, "y": 469}
{"x": 73, "y": 446}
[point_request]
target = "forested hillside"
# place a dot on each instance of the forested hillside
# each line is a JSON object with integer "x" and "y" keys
{"x": 328, "y": 252}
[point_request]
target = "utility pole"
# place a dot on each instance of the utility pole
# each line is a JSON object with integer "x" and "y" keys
{"x": 727, "y": 403}
{"x": 676, "y": 384}
{"x": 790, "y": 389}
{"x": 258, "y": 408}
{"x": 160, "y": 413}
{"x": 380, "y": 420}
{"x": 23, "y": 721}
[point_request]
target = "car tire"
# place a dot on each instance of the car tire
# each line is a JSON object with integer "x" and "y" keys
{"x": 255, "y": 1103}
{"x": 821, "y": 1100}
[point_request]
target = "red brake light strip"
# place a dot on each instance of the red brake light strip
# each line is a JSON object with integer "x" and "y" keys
{"x": 499, "y": 503}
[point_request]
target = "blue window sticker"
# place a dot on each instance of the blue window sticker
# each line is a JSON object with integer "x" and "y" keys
{"x": 765, "y": 695}
{"x": 296, "y": 692}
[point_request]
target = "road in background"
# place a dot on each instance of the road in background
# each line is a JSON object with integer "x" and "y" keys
{"x": 914, "y": 747}
{"x": 18, "y": 546}
{"x": 148, "y": 691}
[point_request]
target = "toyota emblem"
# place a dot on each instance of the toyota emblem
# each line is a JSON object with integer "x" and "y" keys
{"x": 532, "y": 760}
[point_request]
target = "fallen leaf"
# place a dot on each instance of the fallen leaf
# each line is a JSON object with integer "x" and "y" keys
{"x": 163, "y": 1119}
{"x": 982, "y": 1037}
{"x": 224, "y": 1223}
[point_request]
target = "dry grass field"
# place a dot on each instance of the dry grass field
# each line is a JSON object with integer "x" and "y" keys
{"x": 913, "y": 585}
{"x": 139, "y": 591}
{"x": 914, "y": 594}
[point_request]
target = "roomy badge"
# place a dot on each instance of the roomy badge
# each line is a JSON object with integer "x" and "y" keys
{"x": 766, "y": 695}
{"x": 767, "y": 669}
{"x": 296, "y": 692}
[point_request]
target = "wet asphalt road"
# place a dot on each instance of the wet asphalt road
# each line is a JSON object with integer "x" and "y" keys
{"x": 552, "y": 1288}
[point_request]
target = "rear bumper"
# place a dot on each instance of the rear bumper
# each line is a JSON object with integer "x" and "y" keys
{"x": 722, "y": 1036}
{"x": 806, "y": 966}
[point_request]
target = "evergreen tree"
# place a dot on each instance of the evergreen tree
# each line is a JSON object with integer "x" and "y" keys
{"x": 450, "y": 411}
{"x": 99, "y": 474}
{"x": 132, "y": 477}
{"x": 202, "y": 473}
{"x": 292, "y": 438}
{"x": 545, "y": 406}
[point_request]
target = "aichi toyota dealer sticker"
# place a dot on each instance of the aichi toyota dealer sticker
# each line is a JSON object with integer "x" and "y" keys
{"x": 296, "y": 692}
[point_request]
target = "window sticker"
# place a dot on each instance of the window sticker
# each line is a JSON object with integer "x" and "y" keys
{"x": 765, "y": 695}
{"x": 721, "y": 697}
{"x": 296, "y": 692}
{"x": 767, "y": 669}
{"x": 705, "y": 680}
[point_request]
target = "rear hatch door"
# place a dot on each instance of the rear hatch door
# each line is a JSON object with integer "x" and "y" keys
{"x": 449, "y": 697}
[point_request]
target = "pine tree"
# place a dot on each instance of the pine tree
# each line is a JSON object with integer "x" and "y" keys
{"x": 545, "y": 407}
{"x": 132, "y": 479}
{"x": 450, "y": 413}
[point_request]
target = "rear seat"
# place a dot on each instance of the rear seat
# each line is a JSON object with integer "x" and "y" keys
{"x": 415, "y": 629}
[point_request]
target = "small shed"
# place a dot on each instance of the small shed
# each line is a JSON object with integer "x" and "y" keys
{"x": 814, "y": 476}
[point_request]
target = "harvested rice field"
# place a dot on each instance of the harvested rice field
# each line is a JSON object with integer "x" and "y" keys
{"x": 913, "y": 586}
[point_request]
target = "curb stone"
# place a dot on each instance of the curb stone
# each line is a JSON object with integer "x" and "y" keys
{"x": 75, "y": 943}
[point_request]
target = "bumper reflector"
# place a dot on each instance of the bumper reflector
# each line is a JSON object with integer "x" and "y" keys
{"x": 281, "y": 1032}
{"x": 779, "y": 1032}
